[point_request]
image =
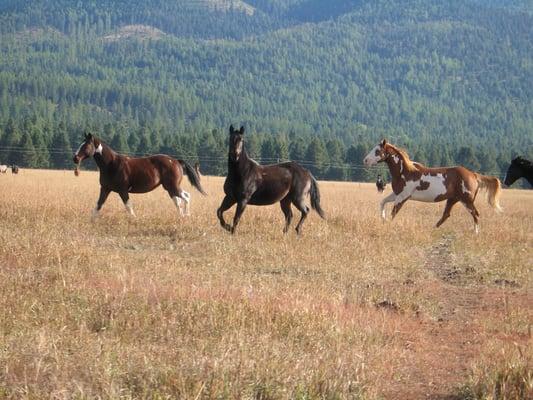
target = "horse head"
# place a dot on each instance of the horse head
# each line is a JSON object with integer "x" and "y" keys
{"x": 88, "y": 148}
{"x": 377, "y": 154}
{"x": 236, "y": 143}
{"x": 515, "y": 171}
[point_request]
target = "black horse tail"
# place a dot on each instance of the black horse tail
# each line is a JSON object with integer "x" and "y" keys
{"x": 315, "y": 197}
{"x": 193, "y": 176}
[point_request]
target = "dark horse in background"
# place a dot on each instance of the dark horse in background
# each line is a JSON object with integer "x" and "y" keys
{"x": 519, "y": 168}
{"x": 260, "y": 185}
{"x": 125, "y": 175}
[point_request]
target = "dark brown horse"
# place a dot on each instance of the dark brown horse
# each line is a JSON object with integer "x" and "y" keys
{"x": 519, "y": 168}
{"x": 411, "y": 180}
{"x": 14, "y": 169}
{"x": 125, "y": 175}
{"x": 260, "y": 185}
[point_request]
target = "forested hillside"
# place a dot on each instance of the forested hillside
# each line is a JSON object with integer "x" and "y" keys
{"x": 314, "y": 81}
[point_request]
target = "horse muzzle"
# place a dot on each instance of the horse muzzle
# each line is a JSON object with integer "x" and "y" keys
{"x": 77, "y": 159}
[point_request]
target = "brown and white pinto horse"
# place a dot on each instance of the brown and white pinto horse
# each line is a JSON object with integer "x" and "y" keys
{"x": 411, "y": 180}
{"x": 125, "y": 175}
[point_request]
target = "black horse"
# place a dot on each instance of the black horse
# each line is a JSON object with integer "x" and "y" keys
{"x": 380, "y": 184}
{"x": 260, "y": 185}
{"x": 519, "y": 168}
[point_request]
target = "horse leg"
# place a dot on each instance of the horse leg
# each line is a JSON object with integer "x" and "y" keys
{"x": 227, "y": 203}
{"x": 449, "y": 205}
{"x": 389, "y": 199}
{"x": 177, "y": 202}
{"x": 300, "y": 205}
{"x": 398, "y": 206}
{"x": 475, "y": 214}
{"x": 187, "y": 199}
{"x": 286, "y": 208}
{"x": 177, "y": 197}
{"x": 101, "y": 200}
{"x": 126, "y": 200}
{"x": 241, "y": 205}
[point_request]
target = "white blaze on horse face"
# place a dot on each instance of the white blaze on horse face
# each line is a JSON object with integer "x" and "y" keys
{"x": 238, "y": 150}
{"x": 435, "y": 189}
{"x": 372, "y": 158}
{"x": 79, "y": 148}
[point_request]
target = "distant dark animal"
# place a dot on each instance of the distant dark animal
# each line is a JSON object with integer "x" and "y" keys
{"x": 125, "y": 175}
{"x": 14, "y": 169}
{"x": 519, "y": 168}
{"x": 248, "y": 182}
{"x": 412, "y": 180}
{"x": 3, "y": 168}
{"x": 380, "y": 184}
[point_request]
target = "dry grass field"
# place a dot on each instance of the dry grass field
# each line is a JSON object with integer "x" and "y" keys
{"x": 160, "y": 306}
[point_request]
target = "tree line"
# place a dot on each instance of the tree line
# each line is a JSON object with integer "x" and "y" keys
{"x": 449, "y": 81}
{"x": 34, "y": 143}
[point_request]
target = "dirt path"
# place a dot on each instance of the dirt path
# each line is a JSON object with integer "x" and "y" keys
{"x": 441, "y": 350}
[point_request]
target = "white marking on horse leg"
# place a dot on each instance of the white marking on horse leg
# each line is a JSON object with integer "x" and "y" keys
{"x": 177, "y": 202}
{"x": 390, "y": 198}
{"x": 129, "y": 208}
{"x": 187, "y": 199}
{"x": 476, "y": 228}
{"x": 95, "y": 214}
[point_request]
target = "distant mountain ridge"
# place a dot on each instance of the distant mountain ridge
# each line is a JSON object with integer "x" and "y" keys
{"x": 421, "y": 72}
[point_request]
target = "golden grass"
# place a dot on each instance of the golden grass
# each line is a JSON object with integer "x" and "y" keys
{"x": 166, "y": 307}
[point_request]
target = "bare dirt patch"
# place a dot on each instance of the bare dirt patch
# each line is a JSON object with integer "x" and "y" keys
{"x": 442, "y": 349}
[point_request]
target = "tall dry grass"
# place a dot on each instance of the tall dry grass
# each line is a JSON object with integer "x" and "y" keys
{"x": 166, "y": 307}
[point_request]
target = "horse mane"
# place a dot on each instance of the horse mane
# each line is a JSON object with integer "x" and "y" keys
{"x": 409, "y": 165}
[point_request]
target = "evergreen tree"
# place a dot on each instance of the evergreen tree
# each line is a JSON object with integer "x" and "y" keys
{"x": 316, "y": 158}
{"x": 337, "y": 170}
{"x": 467, "y": 158}
{"x": 354, "y": 159}
{"x": 28, "y": 154}
{"x": 119, "y": 143}
{"x": 61, "y": 154}
{"x": 42, "y": 155}
{"x": 268, "y": 151}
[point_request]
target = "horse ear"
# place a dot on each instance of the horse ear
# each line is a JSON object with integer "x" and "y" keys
{"x": 383, "y": 142}
{"x": 242, "y": 130}
{"x": 231, "y": 129}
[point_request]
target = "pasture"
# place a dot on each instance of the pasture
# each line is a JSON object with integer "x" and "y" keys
{"x": 161, "y": 306}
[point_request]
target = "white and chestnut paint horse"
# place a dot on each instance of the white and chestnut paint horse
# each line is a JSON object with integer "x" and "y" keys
{"x": 125, "y": 175}
{"x": 411, "y": 180}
